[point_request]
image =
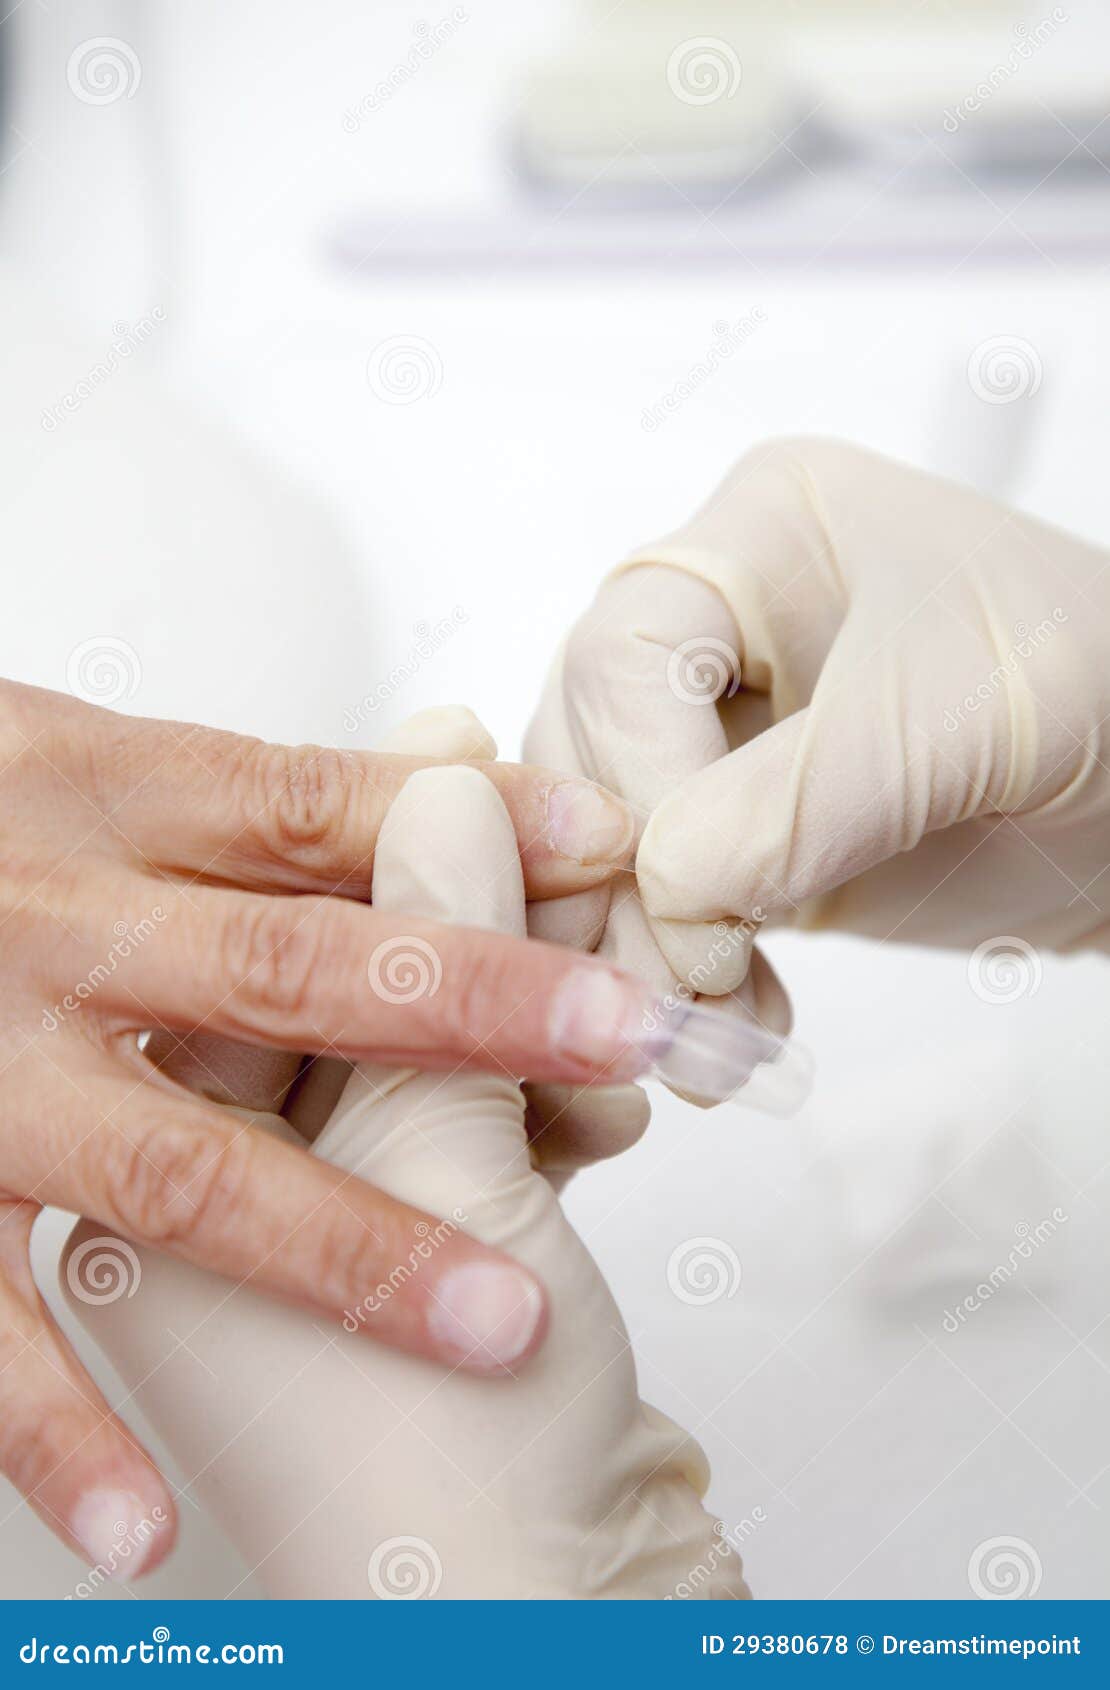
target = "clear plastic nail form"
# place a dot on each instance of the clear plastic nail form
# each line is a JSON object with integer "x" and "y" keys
{"x": 717, "y": 1057}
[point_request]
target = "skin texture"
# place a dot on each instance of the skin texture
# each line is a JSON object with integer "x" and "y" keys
{"x": 158, "y": 875}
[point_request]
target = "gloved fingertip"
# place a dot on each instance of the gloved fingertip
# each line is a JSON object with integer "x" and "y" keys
{"x": 570, "y": 1127}
{"x": 708, "y": 957}
{"x": 442, "y": 730}
{"x": 442, "y": 822}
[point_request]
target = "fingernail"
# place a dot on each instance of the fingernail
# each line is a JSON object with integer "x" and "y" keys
{"x": 599, "y": 1019}
{"x": 487, "y": 1314}
{"x": 116, "y": 1530}
{"x": 587, "y": 823}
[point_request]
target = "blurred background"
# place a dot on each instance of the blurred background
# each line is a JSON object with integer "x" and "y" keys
{"x": 346, "y": 347}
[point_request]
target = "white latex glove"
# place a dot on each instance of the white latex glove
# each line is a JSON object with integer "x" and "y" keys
{"x": 910, "y": 733}
{"x": 341, "y": 1470}
{"x": 569, "y": 1127}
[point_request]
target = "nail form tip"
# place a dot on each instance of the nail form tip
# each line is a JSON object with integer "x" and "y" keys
{"x": 708, "y": 1054}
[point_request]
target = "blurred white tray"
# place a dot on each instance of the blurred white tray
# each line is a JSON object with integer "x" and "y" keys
{"x": 841, "y": 217}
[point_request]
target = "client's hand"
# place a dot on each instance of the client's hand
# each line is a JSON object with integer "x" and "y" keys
{"x": 343, "y": 1471}
{"x": 149, "y": 873}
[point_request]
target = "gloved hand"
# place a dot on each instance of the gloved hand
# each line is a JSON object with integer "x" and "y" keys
{"x": 909, "y": 741}
{"x": 338, "y": 1477}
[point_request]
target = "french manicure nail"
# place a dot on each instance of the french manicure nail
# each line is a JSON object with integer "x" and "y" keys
{"x": 487, "y": 1314}
{"x": 116, "y": 1530}
{"x": 587, "y": 824}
